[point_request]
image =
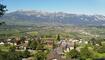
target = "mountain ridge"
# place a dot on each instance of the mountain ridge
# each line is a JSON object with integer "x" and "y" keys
{"x": 34, "y": 17}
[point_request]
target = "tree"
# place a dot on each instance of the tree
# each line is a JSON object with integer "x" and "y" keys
{"x": 40, "y": 55}
{"x": 86, "y": 53}
{"x": 75, "y": 45}
{"x": 54, "y": 45}
{"x": 93, "y": 41}
{"x": 101, "y": 49}
{"x": 10, "y": 55}
{"x": 33, "y": 44}
{"x": 2, "y": 9}
{"x": 26, "y": 53}
{"x": 3, "y": 55}
{"x": 58, "y": 37}
{"x": 73, "y": 54}
{"x": 2, "y": 23}
{"x": 13, "y": 56}
{"x": 22, "y": 39}
{"x": 12, "y": 49}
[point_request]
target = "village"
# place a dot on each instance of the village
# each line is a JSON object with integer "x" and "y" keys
{"x": 51, "y": 48}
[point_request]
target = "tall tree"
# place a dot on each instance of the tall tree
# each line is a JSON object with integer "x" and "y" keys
{"x": 58, "y": 37}
{"x": 93, "y": 41}
{"x": 2, "y": 9}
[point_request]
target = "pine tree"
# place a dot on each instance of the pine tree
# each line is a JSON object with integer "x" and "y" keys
{"x": 58, "y": 37}
{"x": 2, "y": 9}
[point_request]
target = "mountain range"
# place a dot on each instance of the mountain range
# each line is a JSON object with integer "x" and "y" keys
{"x": 33, "y": 17}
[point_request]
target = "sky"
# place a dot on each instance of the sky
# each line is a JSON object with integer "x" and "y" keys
{"x": 69, "y": 6}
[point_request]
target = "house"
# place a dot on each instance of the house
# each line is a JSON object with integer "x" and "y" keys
{"x": 11, "y": 41}
{"x": 1, "y": 43}
{"x": 66, "y": 45}
{"x": 48, "y": 42}
{"x": 25, "y": 45}
{"x": 3, "y": 40}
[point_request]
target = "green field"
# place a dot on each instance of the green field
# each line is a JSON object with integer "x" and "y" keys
{"x": 84, "y": 32}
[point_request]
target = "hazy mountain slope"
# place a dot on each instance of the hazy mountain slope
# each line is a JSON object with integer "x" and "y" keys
{"x": 38, "y": 17}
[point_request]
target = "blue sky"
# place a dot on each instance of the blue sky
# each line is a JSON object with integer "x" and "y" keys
{"x": 71, "y": 6}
